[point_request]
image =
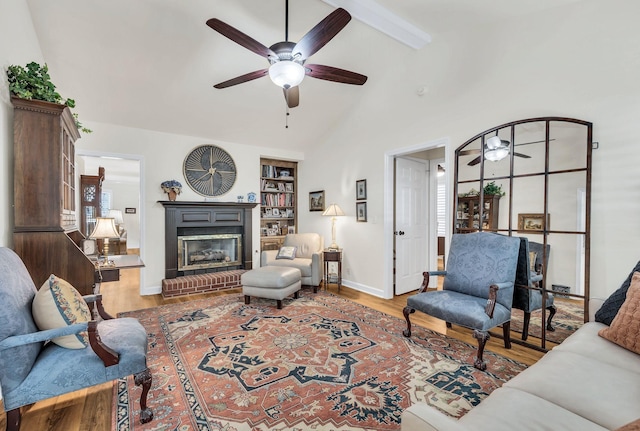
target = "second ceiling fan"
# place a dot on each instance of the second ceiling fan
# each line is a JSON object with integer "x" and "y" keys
{"x": 287, "y": 59}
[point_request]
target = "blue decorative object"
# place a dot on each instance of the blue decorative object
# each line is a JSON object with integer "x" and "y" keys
{"x": 251, "y": 197}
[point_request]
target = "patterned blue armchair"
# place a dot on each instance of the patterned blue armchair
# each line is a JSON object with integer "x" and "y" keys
{"x": 32, "y": 368}
{"x": 529, "y": 274}
{"x": 477, "y": 290}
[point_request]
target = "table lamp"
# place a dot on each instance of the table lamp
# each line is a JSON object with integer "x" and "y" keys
{"x": 118, "y": 220}
{"x": 334, "y": 210}
{"x": 105, "y": 230}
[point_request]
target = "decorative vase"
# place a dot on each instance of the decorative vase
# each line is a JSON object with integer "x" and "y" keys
{"x": 172, "y": 195}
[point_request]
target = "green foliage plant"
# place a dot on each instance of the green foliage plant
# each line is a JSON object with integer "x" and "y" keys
{"x": 34, "y": 82}
{"x": 492, "y": 189}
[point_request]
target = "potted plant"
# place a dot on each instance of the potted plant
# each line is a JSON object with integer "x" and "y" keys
{"x": 171, "y": 188}
{"x": 492, "y": 188}
{"x": 34, "y": 82}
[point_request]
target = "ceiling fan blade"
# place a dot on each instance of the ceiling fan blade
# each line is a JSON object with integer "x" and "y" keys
{"x": 240, "y": 38}
{"x": 467, "y": 152}
{"x": 292, "y": 96}
{"x": 322, "y": 33}
{"x": 329, "y": 73}
{"x": 524, "y": 156}
{"x": 243, "y": 78}
{"x": 474, "y": 161}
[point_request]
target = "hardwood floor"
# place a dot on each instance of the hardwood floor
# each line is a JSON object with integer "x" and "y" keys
{"x": 90, "y": 409}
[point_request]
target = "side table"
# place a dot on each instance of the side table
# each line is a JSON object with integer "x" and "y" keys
{"x": 332, "y": 256}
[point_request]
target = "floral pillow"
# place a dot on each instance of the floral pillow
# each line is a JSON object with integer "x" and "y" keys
{"x": 58, "y": 304}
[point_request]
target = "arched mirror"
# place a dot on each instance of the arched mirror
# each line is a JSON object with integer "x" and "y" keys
{"x": 532, "y": 179}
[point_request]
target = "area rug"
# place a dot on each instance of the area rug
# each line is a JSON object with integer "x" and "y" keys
{"x": 568, "y": 318}
{"x": 320, "y": 363}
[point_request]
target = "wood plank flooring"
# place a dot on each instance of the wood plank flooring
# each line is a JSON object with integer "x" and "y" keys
{"x": 90, "y": 409}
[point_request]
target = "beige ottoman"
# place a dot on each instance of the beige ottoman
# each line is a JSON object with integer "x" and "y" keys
{"x": 272, "y": 282}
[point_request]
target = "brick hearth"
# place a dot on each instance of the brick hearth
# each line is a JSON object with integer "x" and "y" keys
{"x": 202, "y": 283}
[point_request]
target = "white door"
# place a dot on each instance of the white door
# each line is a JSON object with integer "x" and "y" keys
{"x": 410, "y": 224}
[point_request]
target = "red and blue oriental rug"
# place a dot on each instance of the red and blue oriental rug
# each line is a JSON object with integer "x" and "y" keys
{"x": 320, "y": 363}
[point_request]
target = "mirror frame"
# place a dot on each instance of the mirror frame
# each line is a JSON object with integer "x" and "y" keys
{"x": 546, "y": 174}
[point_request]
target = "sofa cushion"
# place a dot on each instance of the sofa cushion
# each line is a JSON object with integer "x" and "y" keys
{"x": 587, "y": 343}
{"x": 59, "y": 304}
{"x": 604, "y": 394}
{"x": 625, "y": 328}
{"x": 509, "y": 409}
{"x": 612, "y": 304}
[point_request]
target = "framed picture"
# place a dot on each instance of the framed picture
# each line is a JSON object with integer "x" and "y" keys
{"x": 129, "y": 210}
{"x": 291, "y": 229}
{"x": 534, "y": 222}
{"x": 316, "y": 201}
{"x": 361, "y": 211}
{"x": 361, "y": 190}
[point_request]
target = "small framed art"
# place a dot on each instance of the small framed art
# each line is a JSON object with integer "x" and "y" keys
{"x": 361, "y": 190}
{"x": 361, "y": 211}
{"x": 316, "y": 201}
{"x": 534, "y": 222}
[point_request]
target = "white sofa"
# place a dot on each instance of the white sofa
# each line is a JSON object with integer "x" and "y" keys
{"x": 586, "y": 383}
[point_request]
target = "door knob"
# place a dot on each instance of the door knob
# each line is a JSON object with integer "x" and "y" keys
{"x": 400, "y": 233}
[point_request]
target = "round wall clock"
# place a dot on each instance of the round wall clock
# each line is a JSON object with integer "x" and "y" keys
{"x": 209, "y": 170}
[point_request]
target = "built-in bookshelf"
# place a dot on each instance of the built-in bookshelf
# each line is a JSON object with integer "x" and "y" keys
{"x": 278, "y": 209}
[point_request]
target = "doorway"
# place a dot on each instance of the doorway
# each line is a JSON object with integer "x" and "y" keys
{"x": 122, "y": 190}
{"x": 435, "y": 150}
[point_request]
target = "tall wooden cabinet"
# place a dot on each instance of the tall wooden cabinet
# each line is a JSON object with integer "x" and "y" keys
{"x": 46, "y": 234}
{"x": 469, "y": 217}
{"x": 278, "y": 210}
{"x": 90, "y": 199}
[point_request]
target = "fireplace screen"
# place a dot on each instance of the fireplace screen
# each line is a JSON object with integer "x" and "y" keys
{"x": 209, "y": 251}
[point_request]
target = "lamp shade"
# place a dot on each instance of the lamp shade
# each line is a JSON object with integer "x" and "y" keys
{"x": 286, "y": 73}
{"x": 333, "y": 210}
{"x": 105, "y": 229}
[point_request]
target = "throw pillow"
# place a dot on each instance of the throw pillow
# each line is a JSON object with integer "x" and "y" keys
{"x": 612, "y": 304}
{"x": 58, "y": 304}
{"x": 631, "y": 426}
{"x": 287, "y": 253}
{"x": 625, "y": 328}
{"x": 532, "y": 261}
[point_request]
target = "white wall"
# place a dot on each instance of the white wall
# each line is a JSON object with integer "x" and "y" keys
{"x": 163, "y": 155}
{"x": 18, "y": 45}
{"x": 579, "y": 61}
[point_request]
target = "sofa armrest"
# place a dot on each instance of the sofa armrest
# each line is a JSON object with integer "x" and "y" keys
{"x": 422, "y": 416}
{"x": 317, "y": 268}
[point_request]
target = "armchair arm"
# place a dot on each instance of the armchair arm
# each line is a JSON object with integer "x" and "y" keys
{"x": 268, "y": 256}
{"x": 97, "y": 299}
{"x": 493, "y": 296}
{"x": 42, "y": 336}
{"x": 105, "y": 353}
{"x": 425, "y": 279}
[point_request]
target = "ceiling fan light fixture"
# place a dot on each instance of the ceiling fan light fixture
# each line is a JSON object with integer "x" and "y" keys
{"x": 286, "y": 73}
{"x": 496, "y": 154}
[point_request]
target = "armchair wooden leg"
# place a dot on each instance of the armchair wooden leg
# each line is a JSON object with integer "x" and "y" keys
{"x": 247, "y": 299}
{"x": 144, "y": 378}
{"x": 407, "y": 311}
{"x": 506, "y": 334}
{"x": 13, "y": 420}
{"x": 482, "y": 337}
{"x": 552, "y": 312}
{"x": 525, "y": 326}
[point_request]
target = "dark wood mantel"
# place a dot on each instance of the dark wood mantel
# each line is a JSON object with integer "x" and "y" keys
{"x": 188, "y": 215}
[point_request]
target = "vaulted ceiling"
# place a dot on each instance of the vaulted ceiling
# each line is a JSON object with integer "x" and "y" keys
{"x": 152, "y": 64}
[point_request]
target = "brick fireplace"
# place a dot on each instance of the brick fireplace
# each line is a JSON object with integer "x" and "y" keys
{"x": 207, "y": 246}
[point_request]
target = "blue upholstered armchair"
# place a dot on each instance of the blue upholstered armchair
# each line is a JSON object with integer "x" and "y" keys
{"x": 529, "y": 274}
{"x": 477, "y": 289}
{"x": 32, "y": 368}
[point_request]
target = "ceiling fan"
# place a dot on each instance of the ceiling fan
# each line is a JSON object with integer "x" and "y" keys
{"x": 287, "y": 59}
{"x": 496, "y": 149}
